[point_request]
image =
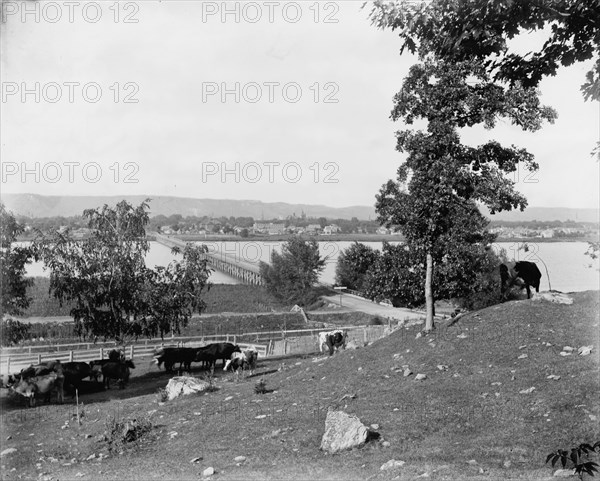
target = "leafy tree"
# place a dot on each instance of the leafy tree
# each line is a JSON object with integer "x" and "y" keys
{"x": 114, "y": 294}
{"x": 13, "y": 259}
{"x": 292, "y": 275}
{"x": 396, "y": 276}
{"x": 480, "y": 30}
{"x": 13, "y": 331}
{"x": 244, "y": 233}
{"x": 441, "y": 179}
{"x": 353, "y": 264}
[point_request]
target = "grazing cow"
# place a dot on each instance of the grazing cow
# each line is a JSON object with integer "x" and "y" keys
{"x": 47, "y": 384}
{"x": 215, "y": 351}
{"x": 246, "y": 359}
{"x": 117, "y": 370}
{"x": 523, "y": 274}
{"x": 34, "y": 371}
{"x": 171, "y": 355}
{"x": 332, "y": 340}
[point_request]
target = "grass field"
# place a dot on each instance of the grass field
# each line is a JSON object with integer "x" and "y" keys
{"x": 477, "y": 418}
{"x": 219, "y": 298}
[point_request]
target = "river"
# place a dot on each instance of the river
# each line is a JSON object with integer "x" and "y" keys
{"x": 567, "y": 266}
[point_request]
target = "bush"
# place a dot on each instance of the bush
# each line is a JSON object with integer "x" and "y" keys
{"x": 120, "y": 433}
{"x": 292, "y": 275}
{"x": 376, "y": 321}
{"x": 353, "y": 264}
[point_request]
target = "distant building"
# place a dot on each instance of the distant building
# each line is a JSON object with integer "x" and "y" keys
{"x": 547, "y": 234}
{"x": 269, "y": 228}
{"x": 331, "y": 229}
{"x": 313, "y": 228}
{"x": 382, "y": 230}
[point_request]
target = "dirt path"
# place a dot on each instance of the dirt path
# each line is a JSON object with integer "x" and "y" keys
{"x": 356, "y": 303}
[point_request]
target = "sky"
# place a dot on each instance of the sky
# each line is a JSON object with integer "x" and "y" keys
{"x": 271, "y": 101}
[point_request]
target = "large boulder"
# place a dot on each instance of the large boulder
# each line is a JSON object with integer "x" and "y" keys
{"x": 343, "y": 431}
{"x": 182, "y": 385}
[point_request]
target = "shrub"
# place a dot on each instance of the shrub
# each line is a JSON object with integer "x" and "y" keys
{"x": 120, "y": 433}
{"x": 261, "y": 387}
{"x": 376, "y": 321}
{"x": 578, "y": 457}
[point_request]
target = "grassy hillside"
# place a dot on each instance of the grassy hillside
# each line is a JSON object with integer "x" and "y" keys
{"x": 471, "y": 410}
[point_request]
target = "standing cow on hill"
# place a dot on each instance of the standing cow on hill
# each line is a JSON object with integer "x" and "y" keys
{"x": 523, "y": 274}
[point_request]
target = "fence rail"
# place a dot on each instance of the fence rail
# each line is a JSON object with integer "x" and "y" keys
{"x": 268, "y": 344}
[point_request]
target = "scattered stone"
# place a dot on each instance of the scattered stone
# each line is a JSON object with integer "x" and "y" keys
{"x": 228, "y": 398}
{"x": 553, "y": 376}
{"x": 8, "y": 451}
{"x": 91, "y": 456}
{"x": 585, "y": 350}
{"x": 564, "y": 473}
{"x": 8, "y": 437}
{"x": 407, "y": 372}
{"x": 523, "y": 347}
{"x": 88, "y": 436}
{"x": 420, "y": 377}
{"x": 360, "y": 368}
{"x": 442, "y": 367}
{"x": 374, "y": 427}
{"x": 208, "y": 471}
{"x": 432, "y": 344}
{"x": 79, "y": 475}
{"x": 240, "y": 459}
{"x": 462, "y": 336}
{"x": 424, "y": 475}
{"x": 593, "y": 417}
{"x": 563, "y": 353}
{"x": 419, "y": 335}
{"x": 472, "y": 462}
{"x": 568, "y": 349}
{"x": 342, "y": 431}
{"x": 523, "y": 356}
{"x": 507, "y": 464}
{"x": 260, "y": 416}
{"x": 497, "y": 383}
{"x": 527, "y": 391}
{"x": 391, "y": 464}
{"x": 386, "y": 444}
{"x": 352, "y": 345}
{"x": 183, "y": 385}
{"x": 172, "y": 434}
{"x": 196, "y": 460}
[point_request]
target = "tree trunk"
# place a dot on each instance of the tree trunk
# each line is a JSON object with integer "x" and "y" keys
{"x": 429, "y": 293}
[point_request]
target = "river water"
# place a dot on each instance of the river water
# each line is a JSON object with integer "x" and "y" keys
{"x": 566, "y": 265}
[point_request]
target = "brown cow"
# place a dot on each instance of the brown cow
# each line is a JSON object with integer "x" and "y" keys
{"x": 117, "y": 370}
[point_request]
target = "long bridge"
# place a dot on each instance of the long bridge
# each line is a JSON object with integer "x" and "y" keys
{"x": 244, "y": 271}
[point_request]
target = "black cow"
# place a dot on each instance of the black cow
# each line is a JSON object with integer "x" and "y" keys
{"x": 117, "y": 370}
{"x": 332, "y": 340}
{"x": 171, "y": 355}
{"x": 523, "y": 274}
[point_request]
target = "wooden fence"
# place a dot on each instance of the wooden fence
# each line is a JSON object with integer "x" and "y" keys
{"x": 268, "y": 344}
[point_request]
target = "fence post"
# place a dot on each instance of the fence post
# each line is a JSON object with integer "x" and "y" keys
{"x": 8, "y": 364}
{"x": 131, "y": 351}
{"x": 70, "y": 356}
{"x": 101, "y": 353}
{"x": 39, "y": 358}
{"x": 234, "y": 339}
{"x": 364, "y": 335}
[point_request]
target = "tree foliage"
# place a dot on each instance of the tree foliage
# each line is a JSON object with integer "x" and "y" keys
{"x": 481, "y": 31}
{"x": 433, "y": 199}
{"x": 13, "y": 331}
{"x": 13, "y": 260}
{"x": 292, "y": 275}
{"x": 105, "y": 276}
{"x": 353, "y": 264}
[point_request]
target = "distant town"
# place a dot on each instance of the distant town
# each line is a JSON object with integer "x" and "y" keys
{"x": 191, "y": 227}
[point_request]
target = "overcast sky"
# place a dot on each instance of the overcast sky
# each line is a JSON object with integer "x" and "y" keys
{"x": 310, "y": 124}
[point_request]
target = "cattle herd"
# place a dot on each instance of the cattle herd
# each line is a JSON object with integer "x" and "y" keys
{"x": 54, "y": 377}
